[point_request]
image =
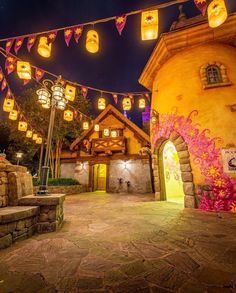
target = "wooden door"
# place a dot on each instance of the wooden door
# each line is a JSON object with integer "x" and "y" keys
{"x": 100, "y": 176}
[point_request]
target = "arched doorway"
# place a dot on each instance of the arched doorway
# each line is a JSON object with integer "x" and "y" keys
{"x": 172, "y": 181}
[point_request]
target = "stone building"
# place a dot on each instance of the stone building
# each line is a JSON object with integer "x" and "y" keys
{"x": 111, "y": 158}
{"x": 192, "y": 75}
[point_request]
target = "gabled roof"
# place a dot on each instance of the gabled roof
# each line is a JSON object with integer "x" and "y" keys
{"x": 108, "y": 111}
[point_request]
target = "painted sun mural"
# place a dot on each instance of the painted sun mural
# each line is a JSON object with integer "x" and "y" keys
{"x": 220, "y": 194}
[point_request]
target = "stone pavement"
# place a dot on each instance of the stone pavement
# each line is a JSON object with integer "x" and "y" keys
{"x": 125, "y": 243}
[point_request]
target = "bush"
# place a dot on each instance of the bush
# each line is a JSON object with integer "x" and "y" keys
{"x": 58, "y": 182}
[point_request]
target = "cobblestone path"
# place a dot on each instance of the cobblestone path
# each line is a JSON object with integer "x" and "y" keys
{"x": 125, "y": 243}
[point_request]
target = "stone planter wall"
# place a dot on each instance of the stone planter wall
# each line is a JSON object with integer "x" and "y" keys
{"x": 71, "y": 189}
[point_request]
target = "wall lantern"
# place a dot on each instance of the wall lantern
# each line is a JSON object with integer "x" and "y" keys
{"x": 126, "y": 104}
{"x": 13, "y": 115}
{"x": 35, "y": 136}
{"x": 43, "y": 96}
{"x": 68, "y": 115}
{"x": 217, "y": 13}
{"x": 106, "y": 132}
{"x": 22, "y": 126}
{"x": 8, "y": 104}
{"x": 85, "y": 125}
{"x": 70, "y": 92}
{"x": 142, "y": 103}
{"x": 24, "y": 70}
{"x": 29, "y": 133}
{"x": 44, "y": 48}
{"x": 39, "y": 140}
{"x": 101, "y": 103}
{"x": 154, "y": 117}
{"x": 149, "y": 25}
{"x": 92, "y": 41}
{"x": 96, "y": 127}
{"x": 114, "y": 133}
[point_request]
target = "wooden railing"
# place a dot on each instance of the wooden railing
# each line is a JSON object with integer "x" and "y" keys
{"x": 108, "y": 145}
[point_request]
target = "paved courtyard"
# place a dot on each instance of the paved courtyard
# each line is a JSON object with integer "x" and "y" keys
{"x": 125, "y": 243}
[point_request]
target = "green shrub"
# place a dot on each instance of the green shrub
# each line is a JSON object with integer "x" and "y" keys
{"x": 58, "y": 182}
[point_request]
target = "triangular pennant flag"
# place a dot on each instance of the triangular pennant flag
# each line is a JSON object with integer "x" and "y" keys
{"x": 39, "y": 73}
{"x": 10, "y": 64}
{"x": 84, "y": 91}
{"x": 131, "y": 98}
{"x": 31, "y": 41}
{"x": 4, "y": 84}
{"x": 80, "y": 116}
{"x": 120, "y": 22}
{"x": 115, "y": 97}
{"x": 67, "y": 35}
{"x": 78, "y": 32}
{"x": 9, "y": 94}
{"x": 1, "y": 74}
{"x": 26, "y": 81}
{"x": 75, "y": 113}
{"x": 202, "y": 5}
{"x": 9, "y": 44}
{"x": 18, "y": 44}
{"x": 52, "y": 36}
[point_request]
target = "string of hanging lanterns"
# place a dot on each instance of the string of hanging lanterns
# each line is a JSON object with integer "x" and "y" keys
{"x": 24, "y": 72}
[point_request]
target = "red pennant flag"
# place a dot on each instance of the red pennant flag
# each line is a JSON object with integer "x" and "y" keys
{"x": 31, "y": 41}
{"x": 9, "y": 94}
{"x": 80, "y": 116}
{"x": 67, "y": 35}
{"x": 120, "y": 22}
{"x": 26, "y": 81}
{"x": 75, "y": 113}
{"x": 9, "y": 44}
{"x": 201, "y": 5}
{"x": 78, "y": 32}
{"x": 84, "y": 91}
{"x": 10, "y": 64}
{"x": 131, "y": 98}
{"x": 1, "y": 74}
{"x": 52, "y": 36}
{"x": 115, "y": 97}
{"x": 18, "y": 44}
{"x": 39, "y": 73}
{"x": 4, "y": 84}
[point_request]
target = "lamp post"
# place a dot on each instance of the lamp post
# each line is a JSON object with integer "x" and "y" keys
{"x": 53, "y": 98}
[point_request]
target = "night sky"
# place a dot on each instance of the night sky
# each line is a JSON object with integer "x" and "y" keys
{"x": 120, "y": 60}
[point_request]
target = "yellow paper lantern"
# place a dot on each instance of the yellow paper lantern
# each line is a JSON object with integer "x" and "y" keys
{"x": 35, "y": 136}
{"x": 13, "y": 115}
{"x": 106, "y": 132}
{"x": 24, "y": 70}
{"x": 44, "y": 48}
{"x": 142, "y": 103}
{"x": 101, "y": 103}
{"x": 22, "y": 126}
{"x": 29, "y": 133}
{"x": 39, "y": 140}
{"x": 149, "y": 25}
{"x": 85, "y": 125}
{"x": 8, "y": 104}
{"x": 114, "y": 133}
{"x": 217, "y": 13}
{"x": 96, "y": 127}
{"x": 126, "y": 104}
{"x": 92, "y": 41}
{"x": 70, "y": 92}
{"x": 68, "y": 115}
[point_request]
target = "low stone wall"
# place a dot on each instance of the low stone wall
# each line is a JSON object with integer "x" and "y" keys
{"x": 70, "y": 189}
{"x": 17, "y": 223}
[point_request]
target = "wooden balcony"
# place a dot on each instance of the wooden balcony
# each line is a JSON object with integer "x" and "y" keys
{"x": 108, "y": 145}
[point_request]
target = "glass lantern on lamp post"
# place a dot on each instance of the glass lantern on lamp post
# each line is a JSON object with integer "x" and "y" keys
{"x": 53, "y": 98}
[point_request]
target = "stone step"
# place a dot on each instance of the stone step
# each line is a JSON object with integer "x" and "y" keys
{"x": 12, "y": 214}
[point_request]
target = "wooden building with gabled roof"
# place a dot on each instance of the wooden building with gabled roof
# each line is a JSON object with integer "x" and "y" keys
{"x": 112, "y": 155}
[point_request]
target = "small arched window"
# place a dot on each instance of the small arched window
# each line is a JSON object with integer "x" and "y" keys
{"x": 213, "y": 74}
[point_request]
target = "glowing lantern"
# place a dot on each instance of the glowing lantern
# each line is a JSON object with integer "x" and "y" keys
{"x": 101, "y": 103}
{"x": 39, "y": 140}
{"x": 142, "y": 103}
{"x": 35, "y": 136}
{"x": 22, "y": 126}
{"x": 126, "y": 104}
{"x": 44, "y": 48}
{"x": 114, "y": 133}
{"x": 43, "y": 96}
{"x": 92, "y": 41}
{"x": 70, "y": 92}
{"x": 85, "y": 125}
{"x": 29, "y": 133}
{"x": 96, "y": 127}
{"x": 217, "y": 13}
{"x": 68, "y": 115}
{"x": 61, "y": 105}
{"x": 8, "y": 105}
{"x": 149, "y": 25}
{"x": 13, "y": 115}
{"x": 154, "y": 117}
{"x": 58, "y": 92}
{"x": 106, "y": 132}
{"x": 23, "y": 70}
{"x": 47, "y": 105}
